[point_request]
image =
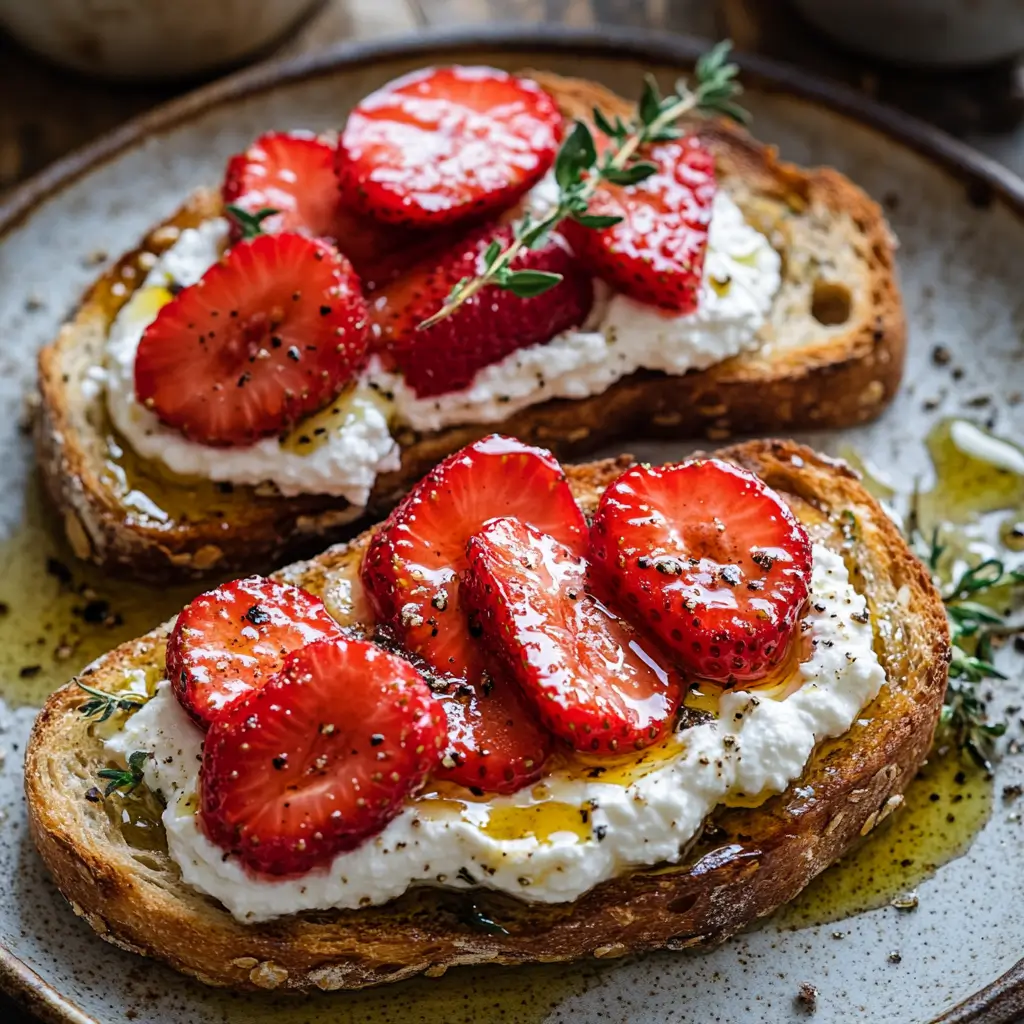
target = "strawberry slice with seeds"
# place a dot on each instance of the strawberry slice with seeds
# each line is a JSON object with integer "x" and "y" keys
{"x": 293, "y": 173}
{"x": 232, "y": 639}
{"x": 707, "y": 557}
{"x": 444, "y": 144}
{"x": 591, "y": 678}
{"x": 656, "y": 252}
{"x": 270, "y": 333}
{"x": 412, "y": 570}
{"x": 495, "y": 742}
{"x": 488, "y": 327}
{"x": 320, "y": 758}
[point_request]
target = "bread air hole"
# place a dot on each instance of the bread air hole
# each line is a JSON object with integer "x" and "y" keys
{"x": 683, "y": 904}
{"x": 830, "y": 303}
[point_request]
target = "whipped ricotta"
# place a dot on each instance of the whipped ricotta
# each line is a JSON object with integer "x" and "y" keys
{"x": 346, "y": 463}
{"x": 741, "y": 277}
{"x": 553, "y": 841}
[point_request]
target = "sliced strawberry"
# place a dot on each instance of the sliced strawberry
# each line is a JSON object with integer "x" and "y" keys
{"x": 293, "y": 172}
{"x": 232, "y": 639}
{"x": 443, "y": 144}
{"x": 411, "y": 572}
{"x": 656, "y": 252}
{"x": 270, "y": 333}
{"x": 488, "y": 327}
{"x": 495, "y": 742}
{"x": 592, "y": 680}
{"x": 708, "y": 558}
{"x": 320, "y": 758}
{"x": 411, "y": 569}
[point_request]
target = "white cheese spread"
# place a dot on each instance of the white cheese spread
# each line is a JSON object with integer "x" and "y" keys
{"x": 553, "y": 841}
{"x": 345, "y": 464}
{"x": 741, "y": 277}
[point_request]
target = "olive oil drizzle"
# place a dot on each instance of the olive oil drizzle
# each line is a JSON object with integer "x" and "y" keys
{"x": 57, "y": 613}
{"x": 944, "y": 808}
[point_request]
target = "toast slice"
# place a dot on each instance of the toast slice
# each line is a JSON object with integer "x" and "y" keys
{"x": 747, "y": 862}
{"x": 832, "y": 356}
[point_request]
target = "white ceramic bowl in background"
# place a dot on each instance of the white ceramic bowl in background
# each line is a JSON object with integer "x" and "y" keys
{"x": 940, "y": 33}
{"x": 148, "y": 38}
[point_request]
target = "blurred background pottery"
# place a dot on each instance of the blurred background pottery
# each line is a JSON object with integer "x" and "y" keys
{"x": 149, "y": 39}
{"x": 938, "y": 33}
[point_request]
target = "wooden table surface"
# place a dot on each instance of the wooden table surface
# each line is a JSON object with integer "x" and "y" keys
{"x": 46, "y": 112}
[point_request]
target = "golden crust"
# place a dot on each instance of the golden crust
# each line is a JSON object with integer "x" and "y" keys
{"x": 834, "y": 241}
{"x": 751, "y": 862}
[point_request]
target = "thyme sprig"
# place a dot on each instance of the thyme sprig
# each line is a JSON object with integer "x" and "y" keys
{"x": 579, "y": 171}
{"x": 101, "y": 705}
{"x": 973, "y": 626}
{"x": 125, "y": 779}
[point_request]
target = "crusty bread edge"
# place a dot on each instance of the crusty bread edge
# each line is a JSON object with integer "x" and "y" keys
{"x": 759, "y": 859}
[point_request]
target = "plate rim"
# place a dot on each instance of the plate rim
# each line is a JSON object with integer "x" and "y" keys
{"x": 985, "y": 179}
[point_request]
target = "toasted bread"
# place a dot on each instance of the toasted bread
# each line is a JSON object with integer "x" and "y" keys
{"x": 832, "y": 356}
{"x": 747, "y": 862}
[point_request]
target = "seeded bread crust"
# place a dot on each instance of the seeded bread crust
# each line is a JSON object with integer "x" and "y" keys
{"x": 748, "y": 862}
{"x": 838, "y": 267}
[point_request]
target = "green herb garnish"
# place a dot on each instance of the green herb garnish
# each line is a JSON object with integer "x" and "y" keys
{"x": 125, "y": 779}
{"x": 579, "y": 172}
{"x": 250, "y": 224}
{"x": 101, "y": 705}
{"x": 973, "y": 625}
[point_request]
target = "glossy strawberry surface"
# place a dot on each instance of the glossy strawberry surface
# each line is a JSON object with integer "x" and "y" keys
{"x": 488, "y": 327}
{"x": 656, "y": 252}
{"x": 594, "y": 681}
{"x": 709, "y": 559}
{"x": 230, "y": 640}
{"x": 320, "y": 758}
{"x": 445, "y": 144}
{"x": 270, "y": 333}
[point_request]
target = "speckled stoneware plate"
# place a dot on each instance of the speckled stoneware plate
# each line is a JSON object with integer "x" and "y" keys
{"x": 960, "y": 221}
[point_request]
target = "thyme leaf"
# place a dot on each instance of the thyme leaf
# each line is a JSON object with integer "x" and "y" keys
{"x": 250, "y": 224}
{"x": 579, "y": 171}
{"x": 125, "y": 779}
{"x": 101, "y": 705}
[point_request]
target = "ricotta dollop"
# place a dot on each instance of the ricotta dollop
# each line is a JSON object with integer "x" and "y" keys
{"x": 346, "y": 463}
{"x": 554, "y": 841}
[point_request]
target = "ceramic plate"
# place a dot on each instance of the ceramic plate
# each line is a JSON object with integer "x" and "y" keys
{"x": 961, "y": 231}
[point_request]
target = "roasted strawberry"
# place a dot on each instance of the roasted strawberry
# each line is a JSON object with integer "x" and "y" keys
{"x": 708, "y": 558}
{"x": 488, "y": 327}
{"x": 443, "y": 144}
{"x": 495, "y": 741}
{"x": 293, "y": 172}
{"x": 593, "y": 681}
{"x": 320, "y": 758}
{"x": 232, "y": 639}
{"x": 656, "y": 252}
{"x": 270, "y": 333}
{"x": 411, "y": 569}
